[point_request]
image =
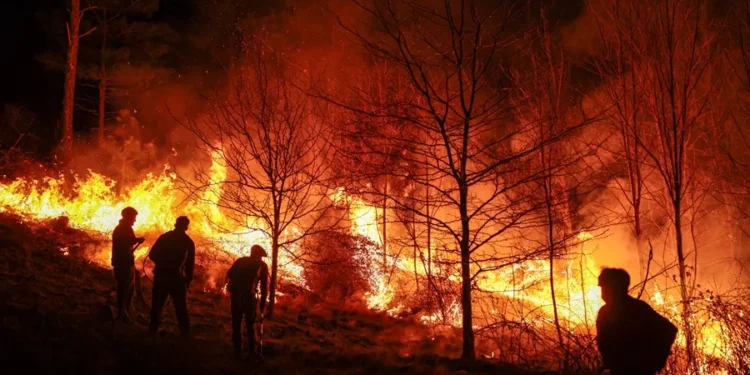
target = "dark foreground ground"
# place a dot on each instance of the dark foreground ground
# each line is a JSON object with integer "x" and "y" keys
{"x": 51, "y": 322}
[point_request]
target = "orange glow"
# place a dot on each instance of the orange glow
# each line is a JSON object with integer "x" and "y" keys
{"x": 364, "y": 222}
{"x": 710, "y": 338}
{"x": 95, "y": 206}
{"x": 577, "y": 292}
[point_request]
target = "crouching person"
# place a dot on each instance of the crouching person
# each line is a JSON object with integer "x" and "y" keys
{"x": 244, "y": 277}
{"x": 173, "y": 255}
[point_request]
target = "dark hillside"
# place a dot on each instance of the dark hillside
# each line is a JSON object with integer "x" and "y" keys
{"x": 51, "y": 304}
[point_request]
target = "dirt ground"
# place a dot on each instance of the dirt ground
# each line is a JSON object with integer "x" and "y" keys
{"x": 55, "y": 318}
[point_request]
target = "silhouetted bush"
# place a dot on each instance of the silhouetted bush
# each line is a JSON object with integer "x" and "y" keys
{"x": 339, "y": 265}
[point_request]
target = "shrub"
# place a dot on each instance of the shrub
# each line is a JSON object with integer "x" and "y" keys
{"x": 339, "y": 266}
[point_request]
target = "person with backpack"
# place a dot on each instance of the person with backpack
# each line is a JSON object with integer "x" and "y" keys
{"x": 124, "y": 243}
{"x": 244, "y": 277}
{"x": 633, "y": 339}
{"x": 173, "y": 255}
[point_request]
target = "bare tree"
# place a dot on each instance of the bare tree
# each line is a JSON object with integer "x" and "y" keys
{"x": 458, "y": 125}
{"x": 73, "y": 28}
{"x": 621, "y": 70}
{"x": 548, "y": 101}
{"x": 679, "y": 46}
{"x": 735, "y": 143}
{"x": 368, "y": 164}
{"x": 111, "y": 21}
{"x": 267, "y": 134}
{"x": 102, "y": 107}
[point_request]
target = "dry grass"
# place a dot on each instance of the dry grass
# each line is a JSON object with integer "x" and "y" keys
{"x": 50, "y": 312}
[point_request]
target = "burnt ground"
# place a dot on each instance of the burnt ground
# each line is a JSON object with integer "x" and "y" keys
{"x": 53, "y": 319}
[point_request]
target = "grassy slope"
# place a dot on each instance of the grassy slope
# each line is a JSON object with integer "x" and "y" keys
{"x": 49, "y": 306}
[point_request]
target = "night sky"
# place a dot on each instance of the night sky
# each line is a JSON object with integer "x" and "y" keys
{"x": 23, "y": 77}
{"x": 27, "y": 82}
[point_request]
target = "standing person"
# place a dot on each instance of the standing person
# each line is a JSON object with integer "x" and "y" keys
{"x": 633, "y": 339}
{"x": 244, "y": 276}
{"x": 124, "y": 243}
{"x": 173, "y": 255}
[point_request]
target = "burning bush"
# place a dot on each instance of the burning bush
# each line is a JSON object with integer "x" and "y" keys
{"x": 730, "y": 314}
{"x": 340, "y": 265}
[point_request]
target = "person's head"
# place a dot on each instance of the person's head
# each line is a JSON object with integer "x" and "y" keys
{"x": 257, "y": 251}
{"x": 182, "y": 223}
{"x": 128, "y": 215}
{"x": 614, "y": 283}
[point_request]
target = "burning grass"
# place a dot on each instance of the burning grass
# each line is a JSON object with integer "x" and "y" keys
{"x": 513, "y": 304}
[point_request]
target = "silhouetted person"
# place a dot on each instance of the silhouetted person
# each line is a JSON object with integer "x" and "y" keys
{"x": 124, "y": 243}
{"x": 633, "y": 338}
{"x": 244, "y": 276}
{"x": 173, "y": 255}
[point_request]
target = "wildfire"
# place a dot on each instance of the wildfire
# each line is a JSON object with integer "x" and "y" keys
{"x": 364, "y": 217}
{"x": 95, "y": 206}
{"x": 364, "y": 222}
{"x": 579, "y": 297}
{"x": 577, "y": 293}
{"x": 710, "y": 333}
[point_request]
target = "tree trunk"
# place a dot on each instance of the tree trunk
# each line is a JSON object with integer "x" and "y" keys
{"x": 430, "y": 279}
{"x": 551, "y": 239}
{"x": 274, "y": 272}
{"x": 429, "y": 222}
{"x": 385, "y": 234}
{"x": 685, "y": 294}
{"x": 467, "y": 321}
{"x": 275, "y": 233}
{"x": 416, "y": 252}
{"x": 636, "y": 181}
{"x": 73, "y": 28}
{"x": 102, "y": 108}
{"x": 102, "y": 81}
{"x": 643, "y": 256}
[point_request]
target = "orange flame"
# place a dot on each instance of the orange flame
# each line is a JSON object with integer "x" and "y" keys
{"x": 95, "y": 206}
